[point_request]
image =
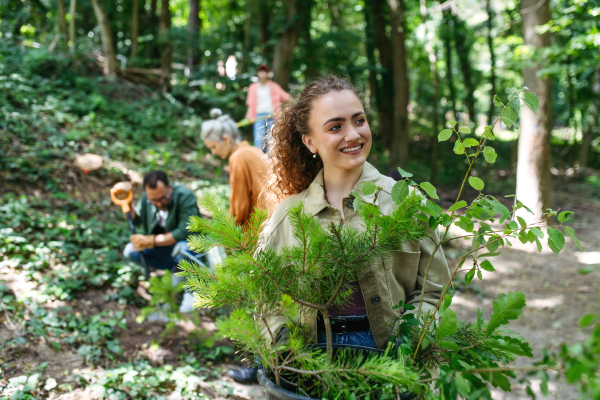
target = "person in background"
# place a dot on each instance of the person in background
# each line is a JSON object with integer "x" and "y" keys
{"x": 264, "y": 99}
{"x": 246, "y": 164}
{"x": 162, "y": 215}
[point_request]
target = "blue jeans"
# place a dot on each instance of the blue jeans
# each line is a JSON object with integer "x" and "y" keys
{"x": 260, "y": 130}
{"x": 157, "y": 257}
{"x": 355, "y": 338}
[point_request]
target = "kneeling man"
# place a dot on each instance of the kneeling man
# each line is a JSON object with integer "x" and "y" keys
{"x": 162, "y": 214}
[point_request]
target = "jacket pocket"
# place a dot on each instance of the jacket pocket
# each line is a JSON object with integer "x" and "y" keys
{"x": 404, "y": 269}
{"x": 401, "y": 272}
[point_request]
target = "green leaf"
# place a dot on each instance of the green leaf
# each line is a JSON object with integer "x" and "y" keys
{"x": 544, "y": 383}
{"x": 587, "y": 270}
{"x": 50, "y": 384}
{"x": 488, "y": 134}
{"x": 368, "y": 188}
{"x": 461, "y": 385}
{"x": 445, "y": 135}
{"x": 448, "y": 323}
{"x": 434, "y": 207}
{"x": 399, "y": 191}
{"x": 464, "y": 129}
{"x": 479, "y": 275}
{"x": 446, "y": 344}
{"x": 556, "y": 240}
{"x": 509, "y": 116}
{"x": 469, "y": 276}
{"x": 458, "y": 206}
{"x": 428, "y": 211}
{"x": 476, "y": 183}
{"x": 458, "y": 147}
{"x": 538, "y": 244}
{"x": 522, "y": 222}
{"x": 500, "y": 209}
{"x": 487, "y": 266}
{"x": 99, "y": 389}
{"x": 515, "y": 105}
{"x": 446, "y": 220}
{"x": 452, "y": 123}
{"x": 564, "y": 216}
{"x": 433, "y": 223}
{"x": 423, "y": 218}
{"x": 500, "y": 381}
{"x": 507, "y": 307}
{"x": 447, "y": 301}
{"x": 470, "y": 142}
{"x": 489, "y": 154}
{"x": 497, "y": 101}
{"x": 531, "y": 101}
{"x": 489, "y": 255}
{"x": 537, "y": 232}
{"x": 510, "y": 344}
{"x": 571, "y": 232}
{"x": 404, "y": 173}
{"x": 586, "y": 320}
{"x": 429, "y": 189}
{"x": 493, "y": 244}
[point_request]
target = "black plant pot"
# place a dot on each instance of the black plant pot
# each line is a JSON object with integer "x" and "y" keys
{"x": 285, "y": 391}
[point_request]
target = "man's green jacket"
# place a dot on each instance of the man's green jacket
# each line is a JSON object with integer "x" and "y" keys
{"x": 183, "y": 205}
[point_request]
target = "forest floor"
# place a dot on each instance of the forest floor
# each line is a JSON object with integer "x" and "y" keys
{"x": 557, "y": 298}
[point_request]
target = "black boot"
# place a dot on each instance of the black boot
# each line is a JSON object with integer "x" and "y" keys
{"x": 244, "y": 375}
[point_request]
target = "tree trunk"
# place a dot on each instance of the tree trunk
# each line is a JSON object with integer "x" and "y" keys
{"x": 62, "y": 24}
{"x": 593, "y": 123}
{"x": 447, "y": 33}
{"x": 435, "y": 156}
{"x": 287, "y": 38}
{"x": 134, "y": 31}
{"x": 334, "y": 13}
{"x": 534, "y": 181}
{"x": 574, "y": 150}
{"x": 399, "y": 147}
{"x": 110, "y": 65}
{"x": 165, "y": 44}
{"x": 385, "y": 100}
{"x": 264, "y": 19}
{"x": 463, "y": 49}
{"x": 370, "y": 50}
{"x": 72, "y": 37}
{"x": 194, "y": 35}
{"x": 243, "y": 63}
{"x": 490, "y": 39}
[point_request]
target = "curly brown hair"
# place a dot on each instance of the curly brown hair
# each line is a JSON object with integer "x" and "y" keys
{"x": 291, "y": 166}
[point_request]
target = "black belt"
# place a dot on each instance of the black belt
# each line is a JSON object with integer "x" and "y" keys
{"x": 343, "y": 325}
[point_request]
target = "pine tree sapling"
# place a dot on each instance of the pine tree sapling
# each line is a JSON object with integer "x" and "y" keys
{"x": 312, "y": 276}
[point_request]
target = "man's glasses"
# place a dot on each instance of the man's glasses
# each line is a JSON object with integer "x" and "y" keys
{"x": 166, "y": 197}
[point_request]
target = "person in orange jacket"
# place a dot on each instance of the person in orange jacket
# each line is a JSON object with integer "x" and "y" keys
{"x": 246, "y": 164}
{"x": 263, "y": 100}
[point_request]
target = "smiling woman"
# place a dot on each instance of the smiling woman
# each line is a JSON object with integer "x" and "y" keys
{"x": 318, "y": 156}
{"x": 307, "y": 132}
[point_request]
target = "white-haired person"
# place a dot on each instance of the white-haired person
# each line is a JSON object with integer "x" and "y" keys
{"x": 246, "y": 164}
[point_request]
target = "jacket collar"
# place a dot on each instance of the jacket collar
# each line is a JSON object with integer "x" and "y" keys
{"x": 314, "y": 199}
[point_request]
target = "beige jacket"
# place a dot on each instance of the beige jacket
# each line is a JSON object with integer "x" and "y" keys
{"x": 396, "y": 276}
